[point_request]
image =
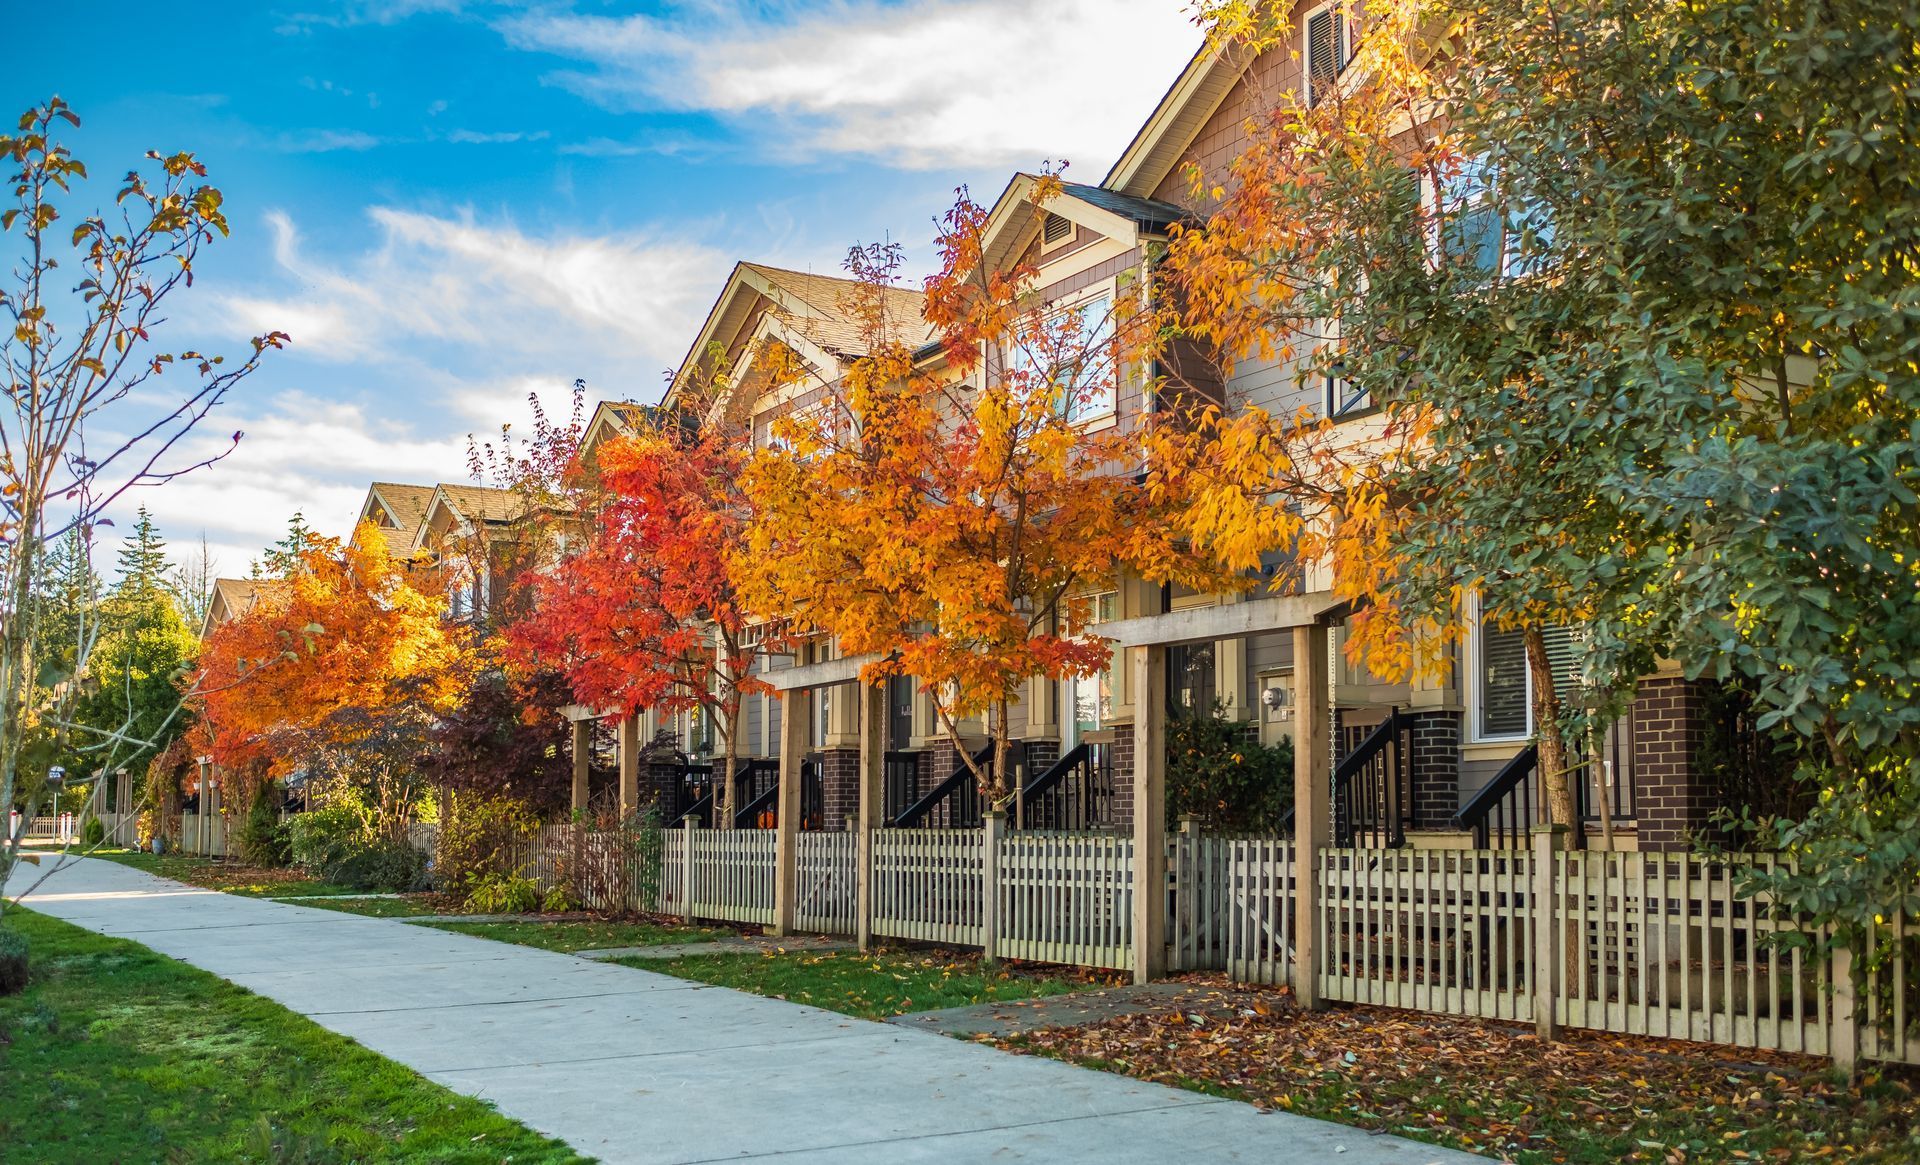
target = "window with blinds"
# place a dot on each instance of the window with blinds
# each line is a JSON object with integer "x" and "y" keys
{"x": 1328, "y": 50}
{"x": 1504, "y": 696}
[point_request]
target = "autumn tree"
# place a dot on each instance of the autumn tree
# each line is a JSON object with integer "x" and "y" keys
{"x": 945, "y": 515}
{"x": 645, "y": 610}
{"x": 346, "y": 662}
{"x": 95, "y": 405}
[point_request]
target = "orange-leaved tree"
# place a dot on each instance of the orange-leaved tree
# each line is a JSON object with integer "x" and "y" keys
{"x": 946, "y": 506}
{"x": 340, "y": 665}
{"x": 643, "y": 611}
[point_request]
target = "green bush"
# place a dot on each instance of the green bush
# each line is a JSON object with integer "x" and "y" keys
{"x": 325, "y": 837}
{"x": 13, "y": 961}
{"x": 94, "y": 832}
{"x": 264, "y": 839}
{"x": 497, "y": 893}
{"x": 479, "y": 837}
{"x": 384, "y": 864}
{"x": 1231, "y": 782}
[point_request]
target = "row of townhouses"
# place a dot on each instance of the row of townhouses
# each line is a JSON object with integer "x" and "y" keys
{"x": 1444, "y": 763}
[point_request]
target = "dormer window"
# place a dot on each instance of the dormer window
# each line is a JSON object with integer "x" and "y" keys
{"x": 1055, "y": 231}
{"x": 1329, "y": 47}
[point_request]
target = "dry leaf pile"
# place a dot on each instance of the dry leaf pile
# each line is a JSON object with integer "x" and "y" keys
{"x": 1497, "y": 1090}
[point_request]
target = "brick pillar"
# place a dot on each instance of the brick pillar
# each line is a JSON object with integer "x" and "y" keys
{"x": 839, "y": 787}
{"x": 1436, "y": 767}
{"x": 1672, "y": 799}
{"x": 1123, "y": 776}
{"x": 657, "y": 782}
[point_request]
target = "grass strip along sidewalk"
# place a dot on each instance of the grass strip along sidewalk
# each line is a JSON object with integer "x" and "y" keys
{"x": 1588, "y": 1098}
{"x": 116, "y": 1053}
{"x": 233, "y": 877}
{"x": 877, "y": 985}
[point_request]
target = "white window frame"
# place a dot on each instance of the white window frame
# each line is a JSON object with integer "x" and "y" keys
{"x": 1108, "y": 289}
{"x": 1438, "y": 213}
{"x": 1340, "y": 9}
{"x": 1476, "y": 679}
{"x": 1330, "y": 386}
{"x": 1114, "y": 672}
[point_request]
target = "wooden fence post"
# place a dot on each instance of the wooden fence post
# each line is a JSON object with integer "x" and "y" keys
{"x": 1149, "y": 690}
{"x": 1312, "y": 804}
{"x": 1844, "y": 1035}
{"x": 1545, "y": 969}
{"x": 796, "y": 732}
{"x": 873, "y": 743}
{"x": 994, "y": 823}
{"x": 1185, "y": 938}
{"x": 686, "y": 869}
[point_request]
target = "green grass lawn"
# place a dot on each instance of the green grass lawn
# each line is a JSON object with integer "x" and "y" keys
{"x": 114, "y": 1053}
{"x": 232, "y": 877}
{"x": 584, "y": 935}
{"x": 877, "y": 985}
{"x": 410, "y": 906}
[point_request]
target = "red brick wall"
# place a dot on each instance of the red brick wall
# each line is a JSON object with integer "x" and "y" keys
{"x": 1674, "y": 801}
{"x": 839, "y": 787}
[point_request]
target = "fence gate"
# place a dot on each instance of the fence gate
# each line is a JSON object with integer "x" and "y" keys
{"x": 1438, "y": 930}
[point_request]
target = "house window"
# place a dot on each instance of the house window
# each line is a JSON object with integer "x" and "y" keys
{"x": 1329, "y": 48}
{"x": 1090, "y": 699}
{"x": 1502, "y": 684}
{"x": 1478, "y": 224}
{"x": 1339, "y": 396}
{"x": 1078, "y": 338}
{"x": 1190, "y": 687}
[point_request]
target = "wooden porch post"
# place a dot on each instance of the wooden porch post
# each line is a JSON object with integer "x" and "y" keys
{"x": 873, "y": 744}
{"x": 629, "y": 766}
{"x": 582, "y": 759}
{"x": 1149, "y": 814}
{"x": 1312, "y": 803}
{"x": 796, "y": 731}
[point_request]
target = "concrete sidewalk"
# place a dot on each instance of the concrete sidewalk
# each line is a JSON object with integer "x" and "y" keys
{"x": 629, "y": 1065}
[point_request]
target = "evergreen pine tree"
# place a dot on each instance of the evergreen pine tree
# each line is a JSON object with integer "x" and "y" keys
{"x": 143, "y": 559}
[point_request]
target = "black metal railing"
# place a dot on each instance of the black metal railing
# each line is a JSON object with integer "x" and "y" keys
{"x": 959, "y": 794}
{"x": 901, "y": 782}
{"x": 1500, "y": 815}
{"x": 1075, "y": 792}
{"x": 1373, "y": 787}
{"x": 690, "y": 794}
{"x": 756, "y": 794}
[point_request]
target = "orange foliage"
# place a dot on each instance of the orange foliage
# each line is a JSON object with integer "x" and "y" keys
{"x": 349, "y": 628}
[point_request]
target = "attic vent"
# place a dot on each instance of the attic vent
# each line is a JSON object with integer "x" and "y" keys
{"x": 1056, "y": 230}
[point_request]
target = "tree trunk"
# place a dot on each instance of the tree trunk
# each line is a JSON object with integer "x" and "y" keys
{"x": 1000, "y": 793}
{"x": 723, "y": 789}
{"x": 1546, "y": 720}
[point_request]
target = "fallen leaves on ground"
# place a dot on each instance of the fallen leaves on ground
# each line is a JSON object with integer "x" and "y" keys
{"x": 1497, "y": 1090}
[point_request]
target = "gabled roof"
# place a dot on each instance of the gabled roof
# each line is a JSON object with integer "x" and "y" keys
{"x": 403, "y": 505}
{"x": 1182, "y": 113}
{"x": 816, "y": 316}
{"x": 1012, "y": 224}
{"x": 234, "y": 597}
{"x": 479, "y": 503}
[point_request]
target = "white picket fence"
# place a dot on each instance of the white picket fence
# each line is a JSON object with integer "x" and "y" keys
{"x": 60, "y": 827}
{"x": 1638, "y": 944}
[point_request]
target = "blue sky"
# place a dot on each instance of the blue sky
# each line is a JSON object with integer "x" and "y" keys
{"x": 450, "y": 204}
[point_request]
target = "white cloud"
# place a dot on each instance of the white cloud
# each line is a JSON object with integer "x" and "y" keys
{"x": 634, "y": 296}
{"x": 926, "y": 83}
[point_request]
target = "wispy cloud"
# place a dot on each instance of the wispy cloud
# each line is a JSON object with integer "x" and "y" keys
{"x": 920, "y": 84}
{"x": 497, "y": 137}
{"x": 553, "y": 300}
{"x": 324, "y": 141}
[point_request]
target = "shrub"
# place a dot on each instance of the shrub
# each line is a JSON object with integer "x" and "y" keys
{"x": 1231, "y": 782}
{"x": 617, "y": 865}
{"x": 13, "y": 961}
{"x": 264, "y": 839}
{"x": 94, "y": 832}
{"x": 496, "y": 893}
{"x": 479, "y": 837}
{"x": 384, "y": 864}
{"x": 325, "y": 837}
